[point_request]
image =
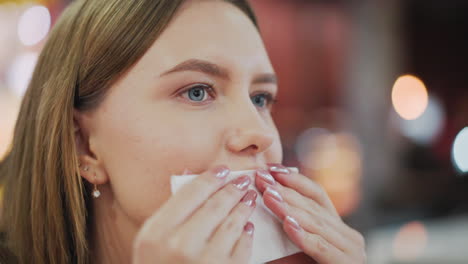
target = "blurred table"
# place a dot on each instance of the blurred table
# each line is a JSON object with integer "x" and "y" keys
{"x": 429, "y": 242}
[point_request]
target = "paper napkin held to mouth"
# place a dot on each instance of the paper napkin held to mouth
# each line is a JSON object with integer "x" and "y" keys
{"x": 270, "y": 242}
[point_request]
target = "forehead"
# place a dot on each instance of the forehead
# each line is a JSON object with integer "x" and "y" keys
{"x": 213, "y": 30}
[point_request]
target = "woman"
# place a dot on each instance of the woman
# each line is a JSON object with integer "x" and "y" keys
{"x": 128, "y": 93}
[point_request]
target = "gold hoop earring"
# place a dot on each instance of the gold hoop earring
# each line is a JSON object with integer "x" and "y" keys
{"x": 96, "y": 193}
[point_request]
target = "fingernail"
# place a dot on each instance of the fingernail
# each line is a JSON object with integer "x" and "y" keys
{"x": 242, "y": 183}
{"x": 249, "y": 198}
{"x": 266, "y": 176}
{"x": 186, "y": 172}
{"x": 249, "y": 228}
{"x": 221, "y": 172}
{"x": 293, "y": 222}
{"x": 274, "y": 194}
{"x": 278, "y": 168}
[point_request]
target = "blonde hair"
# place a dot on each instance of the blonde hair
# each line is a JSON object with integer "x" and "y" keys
{"x": 46, "y": 211}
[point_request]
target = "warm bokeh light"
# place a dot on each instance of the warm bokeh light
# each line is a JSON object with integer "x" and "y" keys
{"x": 460, "y": 151}
{"x": 33, "y": 25}
{"x": 425, "y": 129}
{"x": 410, "y": 241}
{"x": 334, "y": 161}
{"x": 316, "y": 148}
{"x": 409, "y": 97}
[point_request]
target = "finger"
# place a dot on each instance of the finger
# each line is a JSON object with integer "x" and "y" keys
{"x": 242, "y": 252}
{"x": 313, "y": 245}
{"x": 302, "y": 184}
{"x": 182, "y": 204}
{"x": 319, "y": 226}
{"x": 294, "y": 199}
{"x": 275, "y": 202}
{"x": 196, "y": 231}
{"x": 227, "y": 234}
{"x": 263, "y": 180}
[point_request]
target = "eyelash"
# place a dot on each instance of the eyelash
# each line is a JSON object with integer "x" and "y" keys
{"x": 208, "y": 88}
{"x": 269, "y": 97}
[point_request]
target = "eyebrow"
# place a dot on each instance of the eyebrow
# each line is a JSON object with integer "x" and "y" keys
{"x": 216, "y": 71}
{"x": 199, "y": 66}
{"x": 265, "y": 78}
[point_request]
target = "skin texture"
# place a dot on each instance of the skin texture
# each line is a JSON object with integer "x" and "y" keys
{"x": 148, "y": 128}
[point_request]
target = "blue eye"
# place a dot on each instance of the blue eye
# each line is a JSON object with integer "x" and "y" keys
{"x": 262, "y": 100}
{"x": 197, "y": 93}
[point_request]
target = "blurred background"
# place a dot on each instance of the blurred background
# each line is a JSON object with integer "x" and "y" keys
{"x": 373, "y": 105}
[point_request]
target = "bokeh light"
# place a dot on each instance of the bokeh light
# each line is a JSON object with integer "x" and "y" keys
{"x": 460, "y": 151}
{"x": 425, "y": 129}
{"x": 333, "y": 160}
{"x": 410, "y": 241}
{"x": 33, "y": 25}
{"x": 316, "y": 148}
{"x": 20, "y": 72}
{"x": 409, "y": 97}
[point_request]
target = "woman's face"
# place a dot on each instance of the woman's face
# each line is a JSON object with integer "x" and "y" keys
{"x": 198, "y": 98}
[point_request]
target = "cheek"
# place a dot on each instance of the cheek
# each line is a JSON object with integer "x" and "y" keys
{"x": 275, "y": 152}
{"x": 140, "y": 159}
{"x": 275, "y": 155}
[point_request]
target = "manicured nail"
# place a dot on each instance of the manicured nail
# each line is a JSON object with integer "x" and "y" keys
{"x": 278, "y": 168}
{"x": 275, "y": 194}
{"x": 293, "y": 222}
{"x": 249, "y": 228}
{"x": 249, "y": 198}
{"x": 221, "y": 172}
{"x": 266, "y": 176}
{"x": 242, "y": 183}
{"x": 186, "y": 172}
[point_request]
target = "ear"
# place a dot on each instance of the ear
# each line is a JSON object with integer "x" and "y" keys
{"x": 91, "y": 167}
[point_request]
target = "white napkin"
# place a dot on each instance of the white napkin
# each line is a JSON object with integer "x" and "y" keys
{"x": 270, "y": 241}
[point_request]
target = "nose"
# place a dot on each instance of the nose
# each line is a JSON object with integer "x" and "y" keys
{"x": 251, "y": 134}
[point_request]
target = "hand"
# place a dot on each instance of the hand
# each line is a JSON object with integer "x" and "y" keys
{"x": 309, "y": 217}
{"x": 204, "y": 222}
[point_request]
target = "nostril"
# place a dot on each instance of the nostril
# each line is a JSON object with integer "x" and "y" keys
{"x": 252, "y": 149}
{"x": 249, "y": 142}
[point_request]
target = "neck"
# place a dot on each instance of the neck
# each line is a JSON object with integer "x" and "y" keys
{"x": 112, "y": 231}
